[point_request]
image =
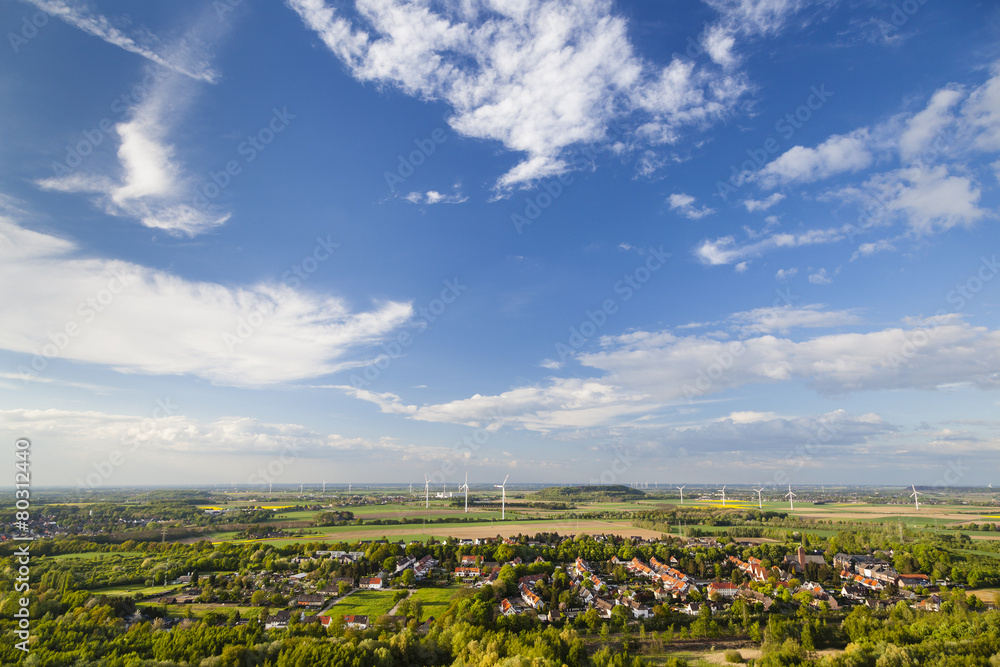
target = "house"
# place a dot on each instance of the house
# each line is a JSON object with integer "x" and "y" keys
{"x": 470, "y": 560}
{"x": 725, "y": 589}
{"x": 277, "y": 621}
{"x": 638, "y": 609}
{"x": 797, "y": 562}
{"x": 638, "y": 568}
{"x": 467, "y": 572}
{"x": 913, "y": 581}
{"x": 692, "y": 608}
{"x": 603, "y": 607}
{"x": 359, "y": 622}
{"x": 507, "y": 608}
{"x": 530, "y": 598}
{"x": 374, "y": 583}
{"x": 933, "y": 603}
{"x": 755, "y": 597}
{"x": 405, "y": 564}
{"x": 423, "y": 566}
{"x": 309, "y": 600}
{"x": 531, "y": 579}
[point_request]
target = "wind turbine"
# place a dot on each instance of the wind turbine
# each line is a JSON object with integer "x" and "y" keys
{"x": 723, "y": 495}
{"x": 790, "y": 497}
{"x": 682, "y": 494}
{"x": 411, "y": 488}
{"x": 916, "y": 496}
{"x": 466, "y": 487}
{"x": 503, "y": 498}
{"x": 324, "y": 487}
{"x": 760, "y": 503}
{"x": 427, "y": 492}
{"x": 349, "y": 487}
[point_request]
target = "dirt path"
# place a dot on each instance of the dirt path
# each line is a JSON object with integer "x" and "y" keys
{"x": 392, "y": 612}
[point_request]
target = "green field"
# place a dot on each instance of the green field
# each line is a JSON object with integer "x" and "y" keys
{"x": 96, "y": 554}
{"x": 199, "y": 610}
{"x": 370, "y": 603}
{"x": 136, "y": 589}
{"x": 434, "y": 600}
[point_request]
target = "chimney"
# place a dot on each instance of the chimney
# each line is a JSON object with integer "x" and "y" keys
{"x": 802, "y": 560}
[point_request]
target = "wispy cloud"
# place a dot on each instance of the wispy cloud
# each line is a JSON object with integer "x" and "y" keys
{"x": 78, "y": 15}
{"x": 763, "y": 204}
{"x": 685, "y": 205}
{"x": 150, "y": 186}
{"x": 434, "y": 197}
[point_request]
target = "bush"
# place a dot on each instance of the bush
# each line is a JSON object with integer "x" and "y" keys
{"x": 734, "y": 656}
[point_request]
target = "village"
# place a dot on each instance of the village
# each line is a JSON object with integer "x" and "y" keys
{"x": 314, "y": 584}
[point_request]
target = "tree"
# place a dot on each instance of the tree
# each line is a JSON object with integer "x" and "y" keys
{"x": 408, "y": 578}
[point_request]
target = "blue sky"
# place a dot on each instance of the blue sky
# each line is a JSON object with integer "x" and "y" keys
{"x": 736, "y": 241}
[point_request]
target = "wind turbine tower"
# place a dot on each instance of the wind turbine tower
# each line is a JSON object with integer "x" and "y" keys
{"x": 916, "y": 496}
{"x": 681, "y": 488}
{"x": 503, "y": 498}
{"x": 466, "y": 487}
{"x": 427, "y": 492}
{"x": 760, "y": 503}
{"x": 723, "y": 495}
{"x": 790, "y": 496}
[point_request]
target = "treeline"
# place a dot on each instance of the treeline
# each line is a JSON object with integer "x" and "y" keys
{"x": 602, "y": 494}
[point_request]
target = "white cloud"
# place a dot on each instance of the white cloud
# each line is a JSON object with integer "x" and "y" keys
{"x": 923, "y": 127}
{"x": 684, "y": 204}
{"x": 869, "y": 249}
{"x": 139, "y": 320}
{"x": 756, "y": 17}
{"x": 719, "y": 41}
{"x": 77, "y": 15}
{"x": 784, "y": 319}
{"x": 981, "y": 114}
{"x": 725, "y": 249}
{"x": 820, "y": 278}
{"x": 917, "y": 356}
{"x": 76, "y": 440}
{"x": 561, "y": 404}
{"x": 785, "y": 274}
{"x": 644, "y": 373}
{"x": 539, "y": 76}
{"x": 763, "y": 204}
{"x": 838, "y": 154}
{"x": 742, "y": 267}
{"x": 929, "y": 199}
{"x": 434, "y": 197}
{"x": 150, "y": 187}
{"x": 764, "y": 432}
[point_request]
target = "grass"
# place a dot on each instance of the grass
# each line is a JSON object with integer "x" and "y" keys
{"x": 302, "y": 515}
{"x": 370, "y": 603}
{"x": 131, "y": 589}
{"x": 199, "y": 610}
{"x": 434, "y": 601}
{"x": 91, "y": 555}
